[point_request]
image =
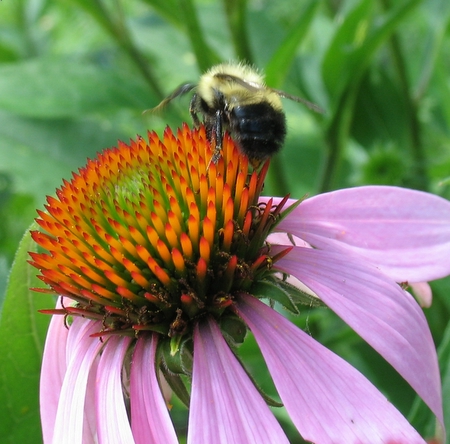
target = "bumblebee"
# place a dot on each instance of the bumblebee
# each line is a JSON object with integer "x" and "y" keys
{"x": 233, "y": 97}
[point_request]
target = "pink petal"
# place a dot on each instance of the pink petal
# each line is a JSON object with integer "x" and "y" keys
{"x": 422, "y": 292}
{"x": 225, "y": 405}
{"x": 90, "y": 416}
{"x": 328, "y": 400}
{"x": 71, "y": 407}
{"x": 405, "y": 232}
{"x": 113, "y": 426}
{"x": 90, "y": 413}
{"x": 150, "y": 420}
{"x": 52, "y": 373}
{"x": 384, "y": 315}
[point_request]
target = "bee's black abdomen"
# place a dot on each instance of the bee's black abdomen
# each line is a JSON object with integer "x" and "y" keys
{"x": 259, "y": 129}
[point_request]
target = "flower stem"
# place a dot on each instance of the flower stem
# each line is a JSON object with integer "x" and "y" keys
{"x": 419, "y": 177}
{"x": 337, "y": 136}
{"x": 205, "y": 56}
{"x": 235, "y": 12}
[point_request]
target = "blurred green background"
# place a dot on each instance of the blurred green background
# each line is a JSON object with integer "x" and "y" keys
{"x": 76, "y": 75}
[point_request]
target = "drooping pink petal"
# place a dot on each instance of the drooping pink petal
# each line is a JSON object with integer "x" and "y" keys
{"x": 90, "y": 412}
{"x": 225, "y": 405}
{"x": 89, "y": 421}
{"x": 404, "y": 232}
{"x": 113, "y": 426}
{"x": 422, "y": 292}
{"x": 80, "y": 356}
{"x": 150, "y": 420}
{"x": 383, "y": 314}
{"x": 52, "y": 374}
{"x": 328, "y": 400}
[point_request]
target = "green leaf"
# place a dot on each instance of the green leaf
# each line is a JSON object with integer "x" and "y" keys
{"x": 98, "y": 11}
{"x": 236, "y": 12}
{"x": 278, "y": 67}
{"x": 177, "y": 385}
{"x": 286, "y": 294}
{"x": 441, "y": 85}
{"x": 3, "y": 278}
{"x": 271, "y": 290}
{"x": 111, "y": 17}
{"x": 169, "y": 9}
{"x": 234, "y": 329}
{"x": 347, "y": 60}
{"x": 355, "y": 43}
{"x": 382, "y": 113}
{"x": 39, "y": 153}
{"x": 7, "y": 54}
{"x": 204, "y": 54}
{"x": 437, "y": 15}
{"x": 339, "y": 61}
{"x": 298, "y": 296}
{"x": 23, "y": 331}
{"x": 67, "y": 88}
{"x": 444, "y": 363}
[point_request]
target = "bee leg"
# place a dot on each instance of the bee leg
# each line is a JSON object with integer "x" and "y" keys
{"x": 216, "y": 138}
{"x": 193, "y": 109}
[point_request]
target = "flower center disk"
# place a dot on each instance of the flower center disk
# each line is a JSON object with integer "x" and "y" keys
{"x": 147, "y": 236}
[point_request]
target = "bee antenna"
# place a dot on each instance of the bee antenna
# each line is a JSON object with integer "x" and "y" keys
{"x": 307, "y": 103}
{"x": 180, "y": 91}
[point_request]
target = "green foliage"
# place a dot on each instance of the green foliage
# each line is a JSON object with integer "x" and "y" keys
{"x": 76, "y": 75}
{"x": 23, "y": 335}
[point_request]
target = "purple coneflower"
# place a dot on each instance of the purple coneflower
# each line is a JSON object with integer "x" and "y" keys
{"x": 161, "y": 264}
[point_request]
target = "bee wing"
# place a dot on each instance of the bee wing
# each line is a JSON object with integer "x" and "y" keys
{"x": 251, "y": 86}
{"x": 310, "y": 105}
{"x": 180, "y": 91}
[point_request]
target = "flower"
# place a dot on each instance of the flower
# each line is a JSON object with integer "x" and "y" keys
{"x": 160, "y": 261}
